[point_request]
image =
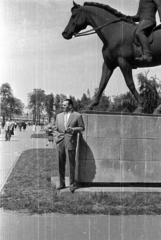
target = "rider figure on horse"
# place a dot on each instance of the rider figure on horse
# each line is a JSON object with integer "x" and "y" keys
{"x": 146, "y": 18}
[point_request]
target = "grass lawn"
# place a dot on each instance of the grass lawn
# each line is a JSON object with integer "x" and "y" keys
{"x": 28, "y": 189}
{"x": 39, "y": 135}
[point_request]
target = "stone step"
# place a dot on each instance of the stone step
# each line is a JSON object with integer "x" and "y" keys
{"x": 101, "y": 189}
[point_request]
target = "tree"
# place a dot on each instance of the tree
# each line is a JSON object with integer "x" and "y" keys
{"x": 104, "y": 103}
{"x": 5, "y": 90}
{"x": 10, "y": 105}
{"x": 57, "y": 103}
{"x": 76, "y": 103}
{"x": 123, "y": 103}
{"x": 149, "y": 90}
{"x": 59, "y": 98}
{"x": 6, "y": 94}
{"x": 15, "y": 107}
{"x": 84, "y": 101}
{"x": 49, "y": 103}
{"x": 36, "y": 103}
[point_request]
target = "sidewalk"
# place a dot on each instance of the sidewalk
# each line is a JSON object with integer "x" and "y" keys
{"x": 11, "y": 150}
{"x": 80, "y": 227}
{"x": 15, "y": 226}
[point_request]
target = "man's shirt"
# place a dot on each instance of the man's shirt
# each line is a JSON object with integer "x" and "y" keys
{"x": 66, "y": 118}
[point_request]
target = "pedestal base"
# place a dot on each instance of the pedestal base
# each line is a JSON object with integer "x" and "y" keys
{"x": 120, "y": 148}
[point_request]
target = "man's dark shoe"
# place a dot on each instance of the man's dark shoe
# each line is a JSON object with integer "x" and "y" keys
{"x": 60, "y": 187}
{"x": 73, "y": 188}
{"x": 145, "y": 58}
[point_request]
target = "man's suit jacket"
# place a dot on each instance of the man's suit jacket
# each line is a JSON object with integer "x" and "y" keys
{"x": 75, "y": 121}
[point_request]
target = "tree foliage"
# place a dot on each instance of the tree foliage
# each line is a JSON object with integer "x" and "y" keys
{"x": 149, "y": 89}
{"x": 84, "y": 101}
{"x": 76, "y": 103}
{"x": 104, "y": 103}
{"x": 36, "y": 103}
{"x": 15, "y": 106}
{"x": 58, "y": 100}
{"x": 10, "y": 105}
{"x": 123, "y": 103}
{"x": 6, "y": 90}
{"x": 49, "y": 103}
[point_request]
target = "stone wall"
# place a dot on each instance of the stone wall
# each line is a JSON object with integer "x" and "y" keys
{"x": 120, "y": 148}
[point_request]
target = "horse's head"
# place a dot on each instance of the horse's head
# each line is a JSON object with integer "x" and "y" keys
{"x": 76, "y": 23}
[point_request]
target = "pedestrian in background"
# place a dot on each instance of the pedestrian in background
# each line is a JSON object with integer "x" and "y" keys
{"x": 7, "y": 130}
{"x": 15, "y": 125}
{"x": 24, "y": 125}
{"x": 12, "y": 126}
{"x": 20, "y": 125}
{"x": 49, "y": 130}
{"x": 34, "y": 128}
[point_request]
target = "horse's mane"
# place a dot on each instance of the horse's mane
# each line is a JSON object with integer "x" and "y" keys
{"x": 111, "y": 10}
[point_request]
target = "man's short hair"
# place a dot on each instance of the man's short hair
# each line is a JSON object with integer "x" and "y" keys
{"x": 69, "y": 101}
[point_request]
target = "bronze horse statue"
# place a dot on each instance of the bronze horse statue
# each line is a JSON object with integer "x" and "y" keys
{"x": 116, "y": 31}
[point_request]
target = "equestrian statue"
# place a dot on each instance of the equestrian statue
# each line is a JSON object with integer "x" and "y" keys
{"x": 126, "y": 45}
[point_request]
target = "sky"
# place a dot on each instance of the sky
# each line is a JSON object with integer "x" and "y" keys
{"x": 33, "y": 53}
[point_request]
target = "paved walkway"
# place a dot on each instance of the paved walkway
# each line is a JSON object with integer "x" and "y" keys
{"x": 14, "y": 226}
{"x": 11, "y": 150}
{"x": 98, "y": 227}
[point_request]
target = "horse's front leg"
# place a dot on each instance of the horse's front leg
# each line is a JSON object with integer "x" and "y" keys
{"x": 106, "y": 74}
{"x": 127, "y": 72}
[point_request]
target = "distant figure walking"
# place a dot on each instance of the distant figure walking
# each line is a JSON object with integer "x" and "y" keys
{"x": 12, "y": 126}
{"x": 20, "y": 126}
{"x": 24, "y": 125}
{"x": 7, "y": 130}
{"x": 15, "y": 125}
{"x": 34, "y": 128}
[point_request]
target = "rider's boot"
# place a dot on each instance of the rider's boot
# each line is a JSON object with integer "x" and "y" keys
{"x": 146, "y": 57}
{"x": 147, "y": 53}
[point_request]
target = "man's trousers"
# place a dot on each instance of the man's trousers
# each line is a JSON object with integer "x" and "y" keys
{"x": 65, "y": 155}
{"x": 143, "y": 30}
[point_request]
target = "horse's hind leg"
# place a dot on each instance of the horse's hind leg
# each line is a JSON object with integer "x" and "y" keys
{"x": 127, "y": 72}
{"x": 106, "y": 74}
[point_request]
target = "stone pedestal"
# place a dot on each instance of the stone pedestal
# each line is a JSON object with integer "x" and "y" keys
{"x": 120, "y": 148}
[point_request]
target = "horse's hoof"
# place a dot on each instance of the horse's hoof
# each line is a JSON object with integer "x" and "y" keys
{"x": 156, "y": 111}
{"x": 139, "y": 110}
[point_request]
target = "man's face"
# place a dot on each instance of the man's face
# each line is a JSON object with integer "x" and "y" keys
{"x": 66, "y": 106}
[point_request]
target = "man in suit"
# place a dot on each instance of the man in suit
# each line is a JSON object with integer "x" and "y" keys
{"x": 68, "y": 124}
{"x": 146, "y": 18}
